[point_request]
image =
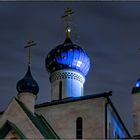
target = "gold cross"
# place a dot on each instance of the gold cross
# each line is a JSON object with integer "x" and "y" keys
{"x": 67, "y": 15}
{"x": 30, "y": 43}
{"x": 68, "y": 12}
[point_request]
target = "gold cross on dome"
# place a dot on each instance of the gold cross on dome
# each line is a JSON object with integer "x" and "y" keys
{"x": 67, "y": 15}
{"x": 30, "y": 44}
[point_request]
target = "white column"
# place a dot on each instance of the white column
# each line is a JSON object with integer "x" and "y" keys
{"x": 72, "y": 84}
{"x": 28, "y": 99}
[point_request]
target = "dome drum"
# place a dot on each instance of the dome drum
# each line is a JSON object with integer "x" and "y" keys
{"x": 67, "y": 74}
{"x": 66, "y": 83}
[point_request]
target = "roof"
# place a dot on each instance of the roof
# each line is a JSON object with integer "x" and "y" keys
{"x": 39, "y": 121}
{"x": 7, "y": 127}
{"x": 74, "y": 99}
{"x": 43, "y": 126}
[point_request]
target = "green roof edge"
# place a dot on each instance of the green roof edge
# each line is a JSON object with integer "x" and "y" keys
{"x": 39, "y": 123}
{"x": 45, "y": 121}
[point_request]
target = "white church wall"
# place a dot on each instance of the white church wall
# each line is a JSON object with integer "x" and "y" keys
{"x": 136, "y": 114}
{"x": 62, "y": 117}
{"x": 1, "y": 115}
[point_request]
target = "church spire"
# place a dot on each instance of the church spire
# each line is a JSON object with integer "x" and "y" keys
{"x": 67, "y": 15}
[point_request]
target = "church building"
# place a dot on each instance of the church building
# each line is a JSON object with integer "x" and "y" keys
{"x": 71, "y": 114}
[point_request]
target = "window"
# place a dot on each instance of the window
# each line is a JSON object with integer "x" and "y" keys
{"x": 60, "y": 90}
{"x": 110, "y": 130}
{"x": 81, "y": 91}
{"x": 79, "y": 128}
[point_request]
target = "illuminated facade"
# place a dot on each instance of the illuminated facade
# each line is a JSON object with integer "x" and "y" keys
{"x": 71, "y": 114}
{"x": 136, "y": 109}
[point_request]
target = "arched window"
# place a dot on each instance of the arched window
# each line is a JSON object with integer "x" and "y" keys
{"x": 60, "y": 90}
{"x": 79, "y": 128}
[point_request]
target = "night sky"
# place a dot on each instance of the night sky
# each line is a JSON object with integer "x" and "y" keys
{"x": 108, "y": 31}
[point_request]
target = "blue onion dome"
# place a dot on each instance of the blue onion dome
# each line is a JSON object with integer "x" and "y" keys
{"x": 28, "y": 84}
{"x": 136, "y": 89}
{"x": 137, "y": 83}
{"x": 68, "y": 56}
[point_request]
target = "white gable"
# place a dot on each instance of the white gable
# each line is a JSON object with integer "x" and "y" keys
{"x": 15, "y": 114}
